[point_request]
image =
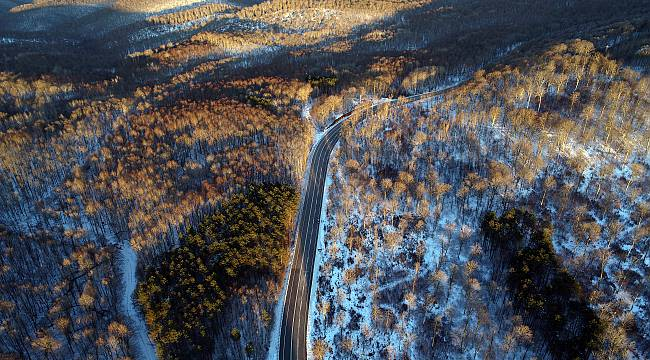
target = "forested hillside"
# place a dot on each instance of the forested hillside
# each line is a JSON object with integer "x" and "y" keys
{"x": 408, "y": 271}
{"x": 242, "y": 245}
{"x": 544, "y": 293}
{"x": 134, "y": 133}
{"x": 64, "y": 308}
{"x": 119, "y": 170}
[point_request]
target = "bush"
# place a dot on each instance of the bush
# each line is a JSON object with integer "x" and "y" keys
{"x": 235, "y": 334}
{"x": 250, "y": 349}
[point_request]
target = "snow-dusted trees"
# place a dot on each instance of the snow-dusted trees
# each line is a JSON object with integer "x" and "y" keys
{"x": 525, "y": 135}
{"x": 58, "y": 312}
{"x": 370, "y": 6}
{"x": 85, "y": 171}
{"x": 191, "y": 14}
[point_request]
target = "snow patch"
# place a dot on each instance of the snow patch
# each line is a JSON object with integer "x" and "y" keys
{"x": 320, "y": 247}
{"x": 128, "y": 260}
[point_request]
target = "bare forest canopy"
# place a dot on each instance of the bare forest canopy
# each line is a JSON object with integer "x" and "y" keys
{"x": 411, "y": 183}
{"x": 90, "y": 42}
{"x": 123, "y": 5}
{"x": 125, "y": 124}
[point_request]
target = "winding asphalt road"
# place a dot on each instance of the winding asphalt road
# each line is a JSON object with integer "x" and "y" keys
{"x": 293, "y": 337}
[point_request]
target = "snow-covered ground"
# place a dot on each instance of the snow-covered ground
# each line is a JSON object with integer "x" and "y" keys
{"x": 320, "y": 248}
{"x": 274, "y": 345}
{"x": 397, "y": 292}
{"x": 377, "y": 299}
{"x": 128, "y": 261}
{"x": 162, "y": 30}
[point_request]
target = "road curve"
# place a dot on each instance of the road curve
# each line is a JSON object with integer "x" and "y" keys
{"x": 293, "y": 336}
